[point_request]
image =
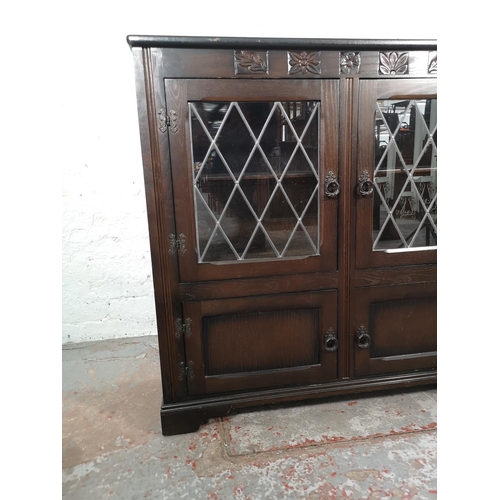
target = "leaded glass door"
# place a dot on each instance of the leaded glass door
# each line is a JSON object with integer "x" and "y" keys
{"x": 393, "y": 323}
{"x": 255, "y": 176}
{"x": 396, "y": 176}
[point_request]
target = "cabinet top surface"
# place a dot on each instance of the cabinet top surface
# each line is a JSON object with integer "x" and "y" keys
{"x": 278, "y": 43}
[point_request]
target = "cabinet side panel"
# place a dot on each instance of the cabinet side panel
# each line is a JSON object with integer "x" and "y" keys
{"x": 152, "y": 168}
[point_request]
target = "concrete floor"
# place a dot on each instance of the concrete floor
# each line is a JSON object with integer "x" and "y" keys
{"x": 380, "y": 447}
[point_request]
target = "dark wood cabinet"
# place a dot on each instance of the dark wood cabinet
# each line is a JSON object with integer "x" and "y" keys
{"x": 291, "y": 188}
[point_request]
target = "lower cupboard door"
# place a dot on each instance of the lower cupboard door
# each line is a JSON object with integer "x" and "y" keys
{"x": 256, "y": 342}
{"x": 395, "y": 329}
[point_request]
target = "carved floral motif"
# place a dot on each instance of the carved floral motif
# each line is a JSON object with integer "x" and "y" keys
{"x": 433, "y": 63}
{"x": 393, "y": 63}
{"x": 253, "y": 62}
{"x": 350, "y": 62}
{"x": 304, "y": 62}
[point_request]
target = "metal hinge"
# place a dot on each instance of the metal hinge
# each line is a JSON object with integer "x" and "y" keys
{"x": 186, "y": 371}
{"x": 177, "y": 244}
{"x": 168, "y": 121}
{"x": 183, "y": 328}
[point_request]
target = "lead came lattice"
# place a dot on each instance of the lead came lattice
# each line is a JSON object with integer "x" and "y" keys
{"x": 255, "y": 179}
{"x": 405, "y": 174}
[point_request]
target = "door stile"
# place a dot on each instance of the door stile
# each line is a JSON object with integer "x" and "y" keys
{"x": 329, "y": 161}
{"x": 364, "y": 215}
{"x": 349, "y": 89}
{"x": 354, "y": 147}
{"x": 176, "y": 102}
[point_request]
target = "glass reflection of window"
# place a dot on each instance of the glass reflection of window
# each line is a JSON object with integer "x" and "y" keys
{"x": 255, "y": 171}
{"x": 405, "y": 175}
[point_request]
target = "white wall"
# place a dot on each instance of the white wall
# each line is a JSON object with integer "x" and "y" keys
{"x": 107, "y": 287}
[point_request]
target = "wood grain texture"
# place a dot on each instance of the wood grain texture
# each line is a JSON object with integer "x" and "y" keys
{"x": 257, "y": 341}
{"x": 245, "y": 287}
{"x": 396, "y": 275}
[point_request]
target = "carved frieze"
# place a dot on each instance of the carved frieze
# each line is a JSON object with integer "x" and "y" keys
{"x": 304, "y": 62}
{"x": 350, "y": 62}
{"x": 246, "y": 62}
{"x": 310, "y": 64}
{"x": 393, "y": 63}
{"x": 331, "y": 64}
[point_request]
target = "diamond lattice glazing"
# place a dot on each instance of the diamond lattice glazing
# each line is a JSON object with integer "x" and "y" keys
{"x": 405, "y": 201}
{"x": 255, "y": 172}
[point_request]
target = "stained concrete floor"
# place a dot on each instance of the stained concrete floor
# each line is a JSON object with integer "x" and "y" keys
{"x": 380, "y": 446}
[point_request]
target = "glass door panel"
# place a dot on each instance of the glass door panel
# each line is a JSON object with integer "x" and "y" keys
{"x": 405, "y": 175}
{"x": 397, "y": 217}
{"x": 255, "y": 179}
{"x": 249, "y": 177}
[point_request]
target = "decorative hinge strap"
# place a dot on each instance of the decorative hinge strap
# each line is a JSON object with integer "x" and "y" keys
{"x": 177, "y": 244}
{"x": 190, "y": 370}
{"x": 186, "y": 370}
{"x": 183, "y": 328}
{"x": 168, "y": 121}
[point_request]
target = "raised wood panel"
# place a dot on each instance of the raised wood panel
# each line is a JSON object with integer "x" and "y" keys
{"x": 255, "y": 341}
{"x": 401, "y": 322}
{"x": 403, "y": 326}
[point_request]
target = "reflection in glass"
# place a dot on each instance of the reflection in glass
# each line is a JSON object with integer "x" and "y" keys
{"x": 405, "y": 175}
{"x": 255, "y": 171}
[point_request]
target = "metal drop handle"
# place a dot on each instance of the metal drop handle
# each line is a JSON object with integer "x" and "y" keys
{"x": 365, "y": 185}
{"x": 332, "y": 187}
{"x": 331, "y": 342}
{"x": 362, "y": 338}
